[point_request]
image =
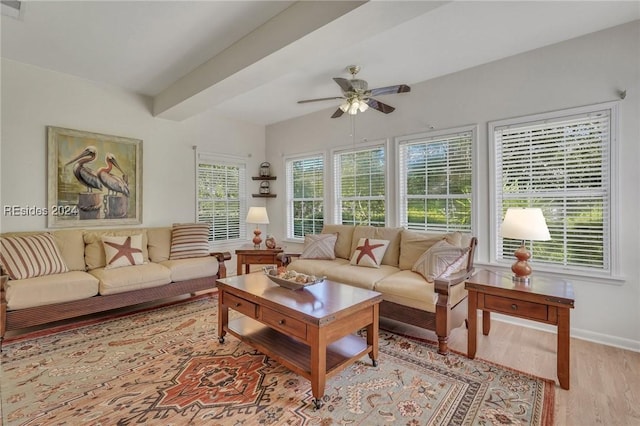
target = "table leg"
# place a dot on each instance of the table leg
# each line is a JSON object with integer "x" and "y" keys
{"x": 472, "y": 318}
{"x": 486, "y": 322}
{"x": 318, "y": 365}
{"x": 246, "y": 268}
{"x": 563, "y": 347}
{"x": 372, "y": 335}
{"x": 223, "y": 317}
{"x": 239, "y": 261}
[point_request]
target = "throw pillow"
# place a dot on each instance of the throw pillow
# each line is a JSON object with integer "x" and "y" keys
{"x": 369, "y": 252}
{"x": 189, "y": 240}
{"x": 320, "y": 246}
{"x": 31, "y": 256}
{"x": 441, "y": 260}
{"x": 122, "y": 251}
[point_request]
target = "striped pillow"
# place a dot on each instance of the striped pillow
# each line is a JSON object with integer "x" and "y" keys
{"x": 441, "y": 260}
{"x": 321, "y": 246}
{"x": 31, "y": 256}
{"x": 189, "y": 240}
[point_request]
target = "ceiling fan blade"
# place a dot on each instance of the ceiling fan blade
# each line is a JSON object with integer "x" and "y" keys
{"x": 338, "y": 113}
{"x": 344, "y": 84}
{"x": 400, "y": 88}
{"x": 380, "y": 106}
{"x": 320, "y": 99}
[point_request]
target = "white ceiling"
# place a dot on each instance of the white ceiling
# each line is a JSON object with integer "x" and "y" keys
{"x": 254, "y": 60}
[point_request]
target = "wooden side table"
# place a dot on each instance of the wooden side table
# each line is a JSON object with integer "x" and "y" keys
{"x": 248, "y": 257}
{"x": 544, "y": 300}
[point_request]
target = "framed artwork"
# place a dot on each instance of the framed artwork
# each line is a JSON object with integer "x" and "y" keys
{"x": 93, "y": 179}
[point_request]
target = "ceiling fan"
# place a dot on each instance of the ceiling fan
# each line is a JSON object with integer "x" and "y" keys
{"x": 358, "y": 97}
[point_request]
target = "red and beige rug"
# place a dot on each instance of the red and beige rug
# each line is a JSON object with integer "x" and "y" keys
{"x": 165, "y": 366}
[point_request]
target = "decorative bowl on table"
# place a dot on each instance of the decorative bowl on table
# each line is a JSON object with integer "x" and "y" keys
{"x": 291, "y": 279}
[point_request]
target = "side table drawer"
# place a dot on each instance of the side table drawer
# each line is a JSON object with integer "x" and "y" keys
{"x": 284, "y": 323}
{"x": 260, "y": 259}
{"x": 516, "y": 307}
{"x": 241, "y": 305}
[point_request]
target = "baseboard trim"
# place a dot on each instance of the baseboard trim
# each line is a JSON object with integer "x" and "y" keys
{"x": 577, "y": 333}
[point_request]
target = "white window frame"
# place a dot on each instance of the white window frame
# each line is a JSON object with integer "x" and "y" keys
{"x": 336, "y": 184}
{"x": 611, "y": 271}
{"x": 288, "y": 163}
{"x": 232, "y": 161}
{"x": 401, "y": 175}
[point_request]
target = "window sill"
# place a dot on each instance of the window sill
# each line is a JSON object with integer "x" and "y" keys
{"x": 593, "y": 277}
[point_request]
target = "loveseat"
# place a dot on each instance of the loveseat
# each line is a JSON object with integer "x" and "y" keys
{"x": 68, "y": 273}
{"x": 420, "y": 275}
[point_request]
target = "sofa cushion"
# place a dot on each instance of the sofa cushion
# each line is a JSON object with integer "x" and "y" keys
{"x": 189, "y": 240}
{"x": 358, "y": 276}
{"x": 369, "y": 252}
{"x": 317, "y": 267}
{"x": 131, "y": 277}
{"x": 58, "y": 288}
{"x": 159, "y": 243}
{"x": 71, "y": 245}
{"x": 94, "y": 255}
{"x": 321, "y": 246}
{"x": 345, "y": 236}
{"x": 122, "y": 251}
{"x": 197, "y": 267}
{"x": 441, "y": 260}
{"x": 31, "y": 256}
{"x": 413, "y": 244}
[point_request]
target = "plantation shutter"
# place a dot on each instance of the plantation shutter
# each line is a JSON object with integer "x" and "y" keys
{"x": 305, "y": 196}
{"x": 435, "y": 182}
{"x": 221, "y": 198}
{"x": 561, "y": 165}
{"x": 360, "y": 183}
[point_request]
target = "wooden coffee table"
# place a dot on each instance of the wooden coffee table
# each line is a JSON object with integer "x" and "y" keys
{"x": 310, "y": 331}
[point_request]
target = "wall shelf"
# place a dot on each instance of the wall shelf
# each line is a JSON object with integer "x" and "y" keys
{"x": 263, "y": 178}
{"x": 263, "y": 195}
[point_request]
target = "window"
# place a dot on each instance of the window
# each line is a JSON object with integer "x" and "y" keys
{"x": 360, "y": 186}
{"x": 560, "y": 162}
{"x": 305, "y": 196}
{"x": 435, "y": 180}
{"x": 221, "y": 197}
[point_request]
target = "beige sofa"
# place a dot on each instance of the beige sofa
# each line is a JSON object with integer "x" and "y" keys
{"x": 89, "y": 287}
{"x": 408, "y": 296}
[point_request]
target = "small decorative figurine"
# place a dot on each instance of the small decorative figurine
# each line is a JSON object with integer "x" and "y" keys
{"x": 264, "y": 187}
{"x": 265, "y": 169}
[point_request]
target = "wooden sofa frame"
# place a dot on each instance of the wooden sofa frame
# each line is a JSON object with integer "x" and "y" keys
{"x": 441, "y": 322}
{"x": 38, "y": 315}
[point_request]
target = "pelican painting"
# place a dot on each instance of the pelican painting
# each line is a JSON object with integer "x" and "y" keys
{"x": 114, "y": 184}
{"x": 84, "y": 174}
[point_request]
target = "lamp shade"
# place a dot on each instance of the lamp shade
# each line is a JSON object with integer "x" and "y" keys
{"x": 525, "y": 224}
{"x": 257, "y": 215}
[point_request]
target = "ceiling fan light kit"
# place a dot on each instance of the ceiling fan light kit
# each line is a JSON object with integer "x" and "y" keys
{"x": 357, "y": 96}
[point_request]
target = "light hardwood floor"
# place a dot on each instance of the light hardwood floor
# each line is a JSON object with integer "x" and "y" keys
{"x": 605, "y": 381}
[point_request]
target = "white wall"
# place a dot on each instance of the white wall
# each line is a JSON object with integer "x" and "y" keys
{"x": 33, "y": 98}
{"x": 587, "y": 70}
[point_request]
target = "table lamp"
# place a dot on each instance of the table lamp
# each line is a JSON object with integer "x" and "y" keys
{"x": 524, "y": 224}
{"x": 257, "y": 216}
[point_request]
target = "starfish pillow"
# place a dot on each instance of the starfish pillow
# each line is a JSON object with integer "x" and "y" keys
{"x": 369, "y": 252}
{"x": 123, "y": 251}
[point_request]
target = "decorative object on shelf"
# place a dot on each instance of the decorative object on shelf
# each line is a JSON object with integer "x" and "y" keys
{"x": 270, "y": 242}
{"x": 264, "y": 187}
{"x": 265, "y": 169}
{"x": 257, "y": 216}
{"x": 524, "y": 224}
{"x": 291, "y": 279}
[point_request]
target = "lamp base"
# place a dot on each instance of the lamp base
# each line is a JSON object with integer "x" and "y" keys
{"x": 256, "y": 239}
{"x": 521, "y": 268}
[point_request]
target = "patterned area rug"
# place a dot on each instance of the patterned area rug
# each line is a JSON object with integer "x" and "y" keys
{"x": 165, "y": 366}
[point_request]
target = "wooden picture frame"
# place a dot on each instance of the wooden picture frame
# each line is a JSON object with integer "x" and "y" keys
{"x": 93, "y": 179}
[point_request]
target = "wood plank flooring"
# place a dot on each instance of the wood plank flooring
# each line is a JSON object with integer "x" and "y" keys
{"x": 605, "y": 381}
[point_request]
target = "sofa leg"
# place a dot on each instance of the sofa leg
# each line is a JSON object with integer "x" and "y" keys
{"x": 443, "y": 347}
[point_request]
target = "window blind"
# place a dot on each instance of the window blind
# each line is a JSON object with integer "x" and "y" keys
{"x": 435, "y": 182}
{"x": 360, "y": 186}
{"x": 221, "y": 199}
{"x": 305, "y": 196}
{"x": 562, "y": 165}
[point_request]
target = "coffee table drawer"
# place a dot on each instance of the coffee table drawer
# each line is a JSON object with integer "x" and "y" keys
{"x": 241, "y": 305}
{"x": 516, "y": 307}
{"x": 284, "y": 323}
